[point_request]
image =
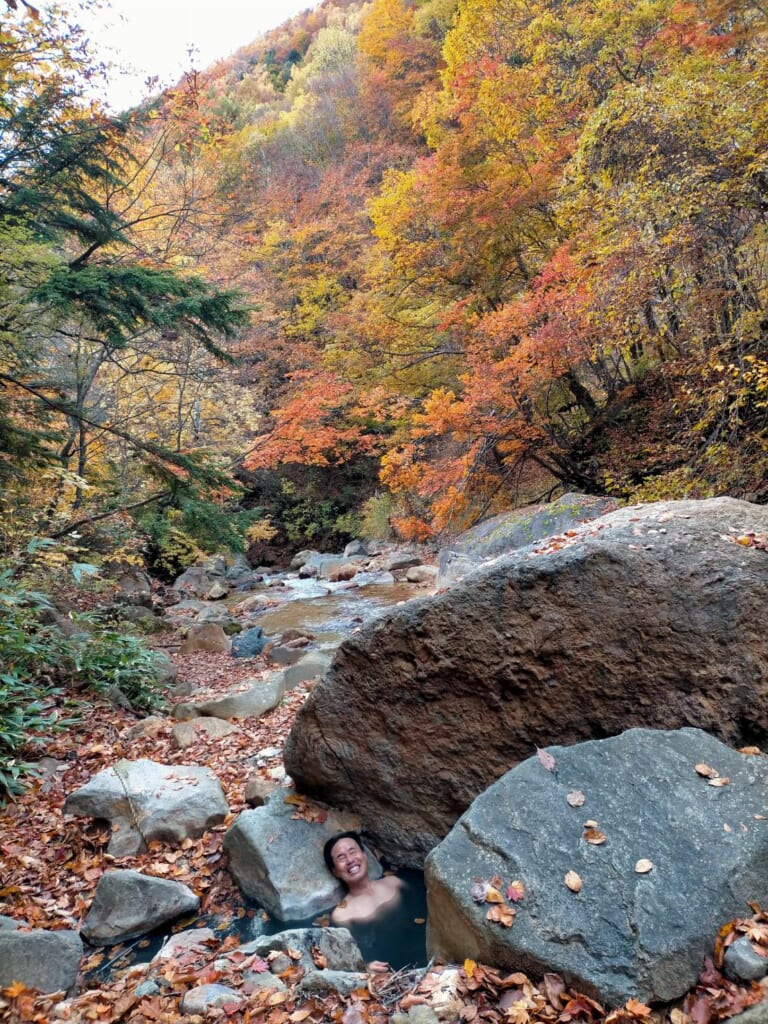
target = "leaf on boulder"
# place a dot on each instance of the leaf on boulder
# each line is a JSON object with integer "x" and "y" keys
{"x": 643, "y": 866}
{"x": 594, "y": 836}
{"x": 718, "y": 782}
{"x": 546, "y": 759}
{"x": 515, "y": 891}
{"x": 573, "y": 881}
{"x": 501, "y": 914}
{"x": 705, "y": 771}
{"x": 576, "y": 798}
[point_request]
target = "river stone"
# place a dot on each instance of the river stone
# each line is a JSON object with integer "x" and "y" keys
{"x": 256, "y": 700}
{"x": 208, "y": 636}
{"x": 343, "y": 983}
{"x": 127, "y": 904}
{"x": 313, "y": 664}
{"x": 624, "y": 934}
{"x": 249, "y": 643}
{"x": 145, "y": 800}
{"x": 651, "y": 615}
{"x": 198, "y": 1000}
{"x": 337, "y": 945}
{"x": 277, "y": 859}
{"x": 518, "y": 528}
{"x": 184, "y": 734}
{"x": 742, "y": 963}
{"x": 42, "y": 960}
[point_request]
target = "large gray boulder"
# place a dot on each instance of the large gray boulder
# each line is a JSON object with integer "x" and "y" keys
{"x": 518, "y": 528}
{"x": 127, "y": 904}
{"x": 145, "y": 800}
{"x": 652, "y": 615}
{"x": 43, "y": 960}
{"x": 633, "y": 929}
{"x": 276, "y": 857}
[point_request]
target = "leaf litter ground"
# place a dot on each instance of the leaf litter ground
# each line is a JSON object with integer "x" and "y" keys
{"x": 52, "y": 864}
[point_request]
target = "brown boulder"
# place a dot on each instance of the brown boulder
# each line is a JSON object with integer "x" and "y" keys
{"x": 651, "y": 616}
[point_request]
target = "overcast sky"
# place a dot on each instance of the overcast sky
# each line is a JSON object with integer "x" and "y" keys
{"x": 154, "y": 37}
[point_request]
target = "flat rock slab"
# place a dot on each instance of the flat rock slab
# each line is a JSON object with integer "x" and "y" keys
{"x": 145, "y": 800}
{"x": 336, "y": 945}
{"x": 128, "y": 904}
{"x": 276, "y": 857}
{"x": 649, "y": 616}
{"x": 42, "y": 960}
{"x": 261, "y": 696}
{"x": 626, "y": 933}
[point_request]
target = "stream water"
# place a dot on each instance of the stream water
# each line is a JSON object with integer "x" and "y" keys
{"x": 330, "y": 611}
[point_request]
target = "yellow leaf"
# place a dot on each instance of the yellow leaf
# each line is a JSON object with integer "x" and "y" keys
{"x": 469, "y": 967}
{"x": 493, "y": 895}
{"x": 15, "y": 989}
{"x": 573, "y": 881}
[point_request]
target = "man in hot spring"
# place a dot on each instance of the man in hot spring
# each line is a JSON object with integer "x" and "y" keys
{"x": 367, "y": 897}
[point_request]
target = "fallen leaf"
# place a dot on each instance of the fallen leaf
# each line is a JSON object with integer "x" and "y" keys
{"x": 637, "y": 1009}
{"x": 595, "y": 837}
{"x": 706, "y": 771}
{"x": 469, "y": 967}
{"x": 755, "y": 751}
{"x": 546, "y": 759}
{"x": 590, "y": 824}
{"x": 515, "y": 891}
{"x": 15, "y": 989}
{"x": 718, "y": 782}
{"x": 644, "y": 866}
{"x": 576, "y": 798}
{"x": 493, "y": 895}
{"x": 501, "y": 914}
{"x": 419, "y": 920}
{"x": 573, "y": 881}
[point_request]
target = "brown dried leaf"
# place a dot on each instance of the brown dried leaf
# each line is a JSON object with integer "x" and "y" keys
{"x": 546, "y": 759}
{"x": 719, "y": 782}
{"x": 501, "y": 914}
{"x": 705, "y": 771}
{"x": 595, "y": 837}
{"x": 573, "y": 881}
{"x": 754, "y": 751}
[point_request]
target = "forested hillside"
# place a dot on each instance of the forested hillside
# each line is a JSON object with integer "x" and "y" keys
{"x": 396, "y": 265}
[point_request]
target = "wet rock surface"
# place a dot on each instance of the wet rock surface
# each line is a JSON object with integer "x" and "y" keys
{"x": 650, "y": 616}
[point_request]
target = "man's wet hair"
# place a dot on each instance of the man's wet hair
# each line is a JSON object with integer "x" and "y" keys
{"x": 328, "y": 848}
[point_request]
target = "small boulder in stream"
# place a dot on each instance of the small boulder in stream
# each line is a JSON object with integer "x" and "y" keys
{"x": 47, "y": 961}
{"x": 276, "y": 856}
{"x": 128, "y": 904}
{"x": 666, "y": 857}
{"x": 651, "y": 615}
{"x": 145, "y": 800}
